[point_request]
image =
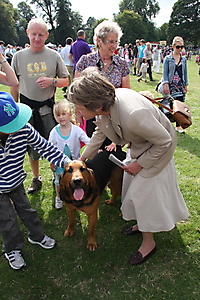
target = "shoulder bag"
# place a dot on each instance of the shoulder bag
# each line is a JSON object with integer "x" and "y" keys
{"x": 175, "y": 110}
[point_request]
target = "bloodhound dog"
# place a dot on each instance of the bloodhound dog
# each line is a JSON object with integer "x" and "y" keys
{"x": 81, "y": 185}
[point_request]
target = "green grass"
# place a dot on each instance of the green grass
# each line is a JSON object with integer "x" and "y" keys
{"x": 70, "y": 271}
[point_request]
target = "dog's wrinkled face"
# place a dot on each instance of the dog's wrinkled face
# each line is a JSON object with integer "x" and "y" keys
{"x": 76, "y": 180}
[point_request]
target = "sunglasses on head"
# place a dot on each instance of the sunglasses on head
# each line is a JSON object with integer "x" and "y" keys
{"x": 179, "y": 47}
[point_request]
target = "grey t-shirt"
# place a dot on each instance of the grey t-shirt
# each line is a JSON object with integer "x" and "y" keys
{"x": 29, "y": 66}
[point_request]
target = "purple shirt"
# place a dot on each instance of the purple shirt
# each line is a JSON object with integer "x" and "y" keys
{"x": 119, "y": 67}
{"x": 79, "y": 48}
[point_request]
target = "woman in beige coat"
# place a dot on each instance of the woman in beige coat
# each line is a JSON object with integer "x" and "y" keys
{"x": 150, "y": 189}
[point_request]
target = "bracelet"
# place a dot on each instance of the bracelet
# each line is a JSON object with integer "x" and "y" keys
{"x": 54, "y": 81}
{"x": 3, "y": 61}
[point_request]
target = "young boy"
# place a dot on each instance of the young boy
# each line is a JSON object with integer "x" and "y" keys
{"x": 15, "y": 135}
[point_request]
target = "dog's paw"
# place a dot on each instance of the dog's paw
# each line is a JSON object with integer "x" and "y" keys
{"x": 68, "y": 232}
{"x": 91, "y": 245}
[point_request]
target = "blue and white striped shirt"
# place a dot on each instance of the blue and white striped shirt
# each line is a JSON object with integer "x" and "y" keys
{"x": 12, "y": 155}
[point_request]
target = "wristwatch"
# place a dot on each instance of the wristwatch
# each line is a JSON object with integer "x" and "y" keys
{"x": 54, "y": 81}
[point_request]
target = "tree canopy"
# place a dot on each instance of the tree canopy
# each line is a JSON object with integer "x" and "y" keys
{"x": 185, "y": 21}
{"x": 7, "y": 22}
{"x": 147, "y": 9}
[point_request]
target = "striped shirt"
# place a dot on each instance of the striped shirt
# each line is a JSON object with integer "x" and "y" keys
{"x": 12, "y": 155}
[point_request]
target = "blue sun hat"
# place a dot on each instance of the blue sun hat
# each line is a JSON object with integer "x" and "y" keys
{"x": 13, "y": 116}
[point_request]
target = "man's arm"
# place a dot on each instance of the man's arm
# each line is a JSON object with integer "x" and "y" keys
{"x": 71, "y": 57}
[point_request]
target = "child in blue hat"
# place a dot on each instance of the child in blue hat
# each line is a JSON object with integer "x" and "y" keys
{"x": 15, "y": 135}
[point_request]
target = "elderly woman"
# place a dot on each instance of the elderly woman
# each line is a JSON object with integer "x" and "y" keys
{"x": 106, "y": 38}
{"x": 150, "y": 190}
{"x": 175, "y": 78}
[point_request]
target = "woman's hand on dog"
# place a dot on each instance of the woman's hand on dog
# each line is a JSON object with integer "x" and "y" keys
{"x": 111, "y": 147}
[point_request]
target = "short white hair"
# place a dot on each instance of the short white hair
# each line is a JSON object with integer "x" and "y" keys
{"x": 104, "y": 28}
{"x": 37, "y": 21}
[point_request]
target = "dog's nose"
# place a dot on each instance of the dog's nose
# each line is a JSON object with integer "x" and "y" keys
{"x": 77, "y": 181}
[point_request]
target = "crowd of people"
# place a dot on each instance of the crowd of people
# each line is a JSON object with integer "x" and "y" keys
{"x": 97, "y": 83}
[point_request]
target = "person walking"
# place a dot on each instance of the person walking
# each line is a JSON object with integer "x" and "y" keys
{"x": 40, "y": 70}
{"x": 79, "y": 48}
{"x": 68, "y": 63}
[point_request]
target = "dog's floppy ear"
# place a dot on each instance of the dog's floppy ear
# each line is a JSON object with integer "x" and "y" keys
{"x": 90, "y": 171}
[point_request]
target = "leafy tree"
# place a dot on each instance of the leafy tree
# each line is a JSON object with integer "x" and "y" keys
{"x": 89, "y": 29}
{"x": 25, "y": 11}
{"x": 163, "y": 32}
{"x": 185, "y": 21}
{"x": 23, "y": 15}
{"x": 7, "y": 23}
{"x": 64, "y": 19}
{"x": 47, "y": 9}
{"x": 132, "y": 26}
{"x": 148, "y": 9}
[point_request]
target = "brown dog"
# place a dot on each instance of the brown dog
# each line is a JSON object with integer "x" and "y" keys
{"x": 81, "y": 185}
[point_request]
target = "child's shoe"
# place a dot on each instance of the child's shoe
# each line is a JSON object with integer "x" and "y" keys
{"x": 46, "y": 243}
{"x": 15, "y": 259}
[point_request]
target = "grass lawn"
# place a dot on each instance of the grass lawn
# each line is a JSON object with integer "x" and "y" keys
{"x": 70, "y": 271}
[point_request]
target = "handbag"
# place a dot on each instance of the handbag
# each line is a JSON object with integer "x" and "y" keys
{"x": 175, "y": 110}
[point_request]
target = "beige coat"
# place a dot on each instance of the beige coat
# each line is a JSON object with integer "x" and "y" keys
{"x": 133, "y": 118}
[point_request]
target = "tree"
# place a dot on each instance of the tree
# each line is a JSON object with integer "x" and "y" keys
{"x": 47, "y": 8}
{"x": 7, "y": 22}
{"x": 89, "y": 29}
{"x": 132, "y": 26}
{"x": 148, "y": 9}
{"x": 25, "y": 11}
{"x": 163, "y": 32}
{"x": 185, "y": 21}
{"x": 67, "y": 21}
{"x": 24, "y": 15}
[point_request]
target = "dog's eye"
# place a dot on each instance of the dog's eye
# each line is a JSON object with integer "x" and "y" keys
{"x": 70, "y": 170}
{"x": 82, "y": 169}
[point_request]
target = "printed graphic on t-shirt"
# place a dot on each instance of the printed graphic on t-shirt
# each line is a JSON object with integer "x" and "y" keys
{"x": 36, "y": 69}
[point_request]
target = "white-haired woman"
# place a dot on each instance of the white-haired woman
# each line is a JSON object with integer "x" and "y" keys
{"x": 106, "y": 39}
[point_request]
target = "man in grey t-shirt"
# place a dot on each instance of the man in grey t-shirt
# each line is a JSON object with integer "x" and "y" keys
{"x": 39, "y": 70}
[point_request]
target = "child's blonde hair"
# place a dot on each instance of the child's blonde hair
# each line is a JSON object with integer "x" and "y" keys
{"x": 62, "y": 106}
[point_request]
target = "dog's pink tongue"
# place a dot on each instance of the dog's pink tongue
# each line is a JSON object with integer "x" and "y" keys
{"x": 78, "y": 194}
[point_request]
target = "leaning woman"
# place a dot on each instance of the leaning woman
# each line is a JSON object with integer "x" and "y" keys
{"x": 151, "y": 195}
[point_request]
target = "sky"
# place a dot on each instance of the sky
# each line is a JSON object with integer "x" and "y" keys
{"x": 105, "y": 9}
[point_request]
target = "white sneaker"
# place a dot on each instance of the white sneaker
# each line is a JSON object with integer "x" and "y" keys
{"x": 58, "y": 203}
{"x": 15, "y": 259}
{"x": 46, "y": 243}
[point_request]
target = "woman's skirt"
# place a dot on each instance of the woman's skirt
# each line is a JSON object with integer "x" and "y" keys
{"x": 156, "y": 202}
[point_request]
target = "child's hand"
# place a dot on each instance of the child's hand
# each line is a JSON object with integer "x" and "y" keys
{"x": 111, "y": 147}
{"x": 52, "y": 166}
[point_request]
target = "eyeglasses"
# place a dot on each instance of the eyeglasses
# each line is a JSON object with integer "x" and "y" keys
{"x": 179, "y": 47}
{"x": 112, "y": 42}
